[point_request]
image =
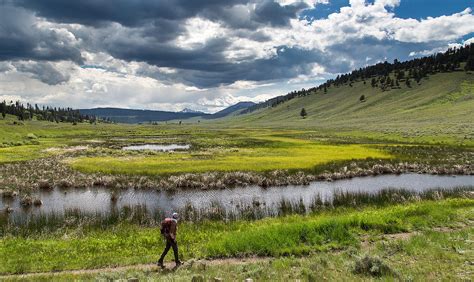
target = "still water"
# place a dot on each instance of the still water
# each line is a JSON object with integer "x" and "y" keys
{"x": 157, "y": 147}
{"x": 96, "y": 199}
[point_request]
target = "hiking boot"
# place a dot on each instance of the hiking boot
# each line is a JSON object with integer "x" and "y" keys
{"x": 179, "y": 263}
{"x": 160, "y": 264}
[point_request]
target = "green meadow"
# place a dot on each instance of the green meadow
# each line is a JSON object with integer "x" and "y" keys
{"x": 290, "y": 155}
{"x": 394, "y": 259}
{"x": 78, "y": 246}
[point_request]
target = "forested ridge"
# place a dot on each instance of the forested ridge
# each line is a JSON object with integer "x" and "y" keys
{"x": 387, "y": 76}
{"x": 46, "y": 113}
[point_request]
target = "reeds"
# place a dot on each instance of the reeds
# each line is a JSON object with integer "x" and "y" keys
{"x": 215, "y": 211}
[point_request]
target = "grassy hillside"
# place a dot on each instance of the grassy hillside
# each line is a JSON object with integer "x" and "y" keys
{"x": 442, "y": 105}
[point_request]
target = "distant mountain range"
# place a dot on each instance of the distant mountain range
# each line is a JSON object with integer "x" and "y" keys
{"x": 187, "y": 110}
{"x": 234, "y": 109}
{"x": 137, "y": 116}
{"x": 142, "y": 116}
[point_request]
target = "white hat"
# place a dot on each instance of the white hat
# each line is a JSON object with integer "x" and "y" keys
{"x": 175, "y": 215}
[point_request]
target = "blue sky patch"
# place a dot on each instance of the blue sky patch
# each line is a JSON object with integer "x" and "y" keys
{"x": 421, "y": 9}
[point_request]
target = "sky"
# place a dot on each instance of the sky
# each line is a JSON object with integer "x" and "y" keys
{"x": 207, "y": 55}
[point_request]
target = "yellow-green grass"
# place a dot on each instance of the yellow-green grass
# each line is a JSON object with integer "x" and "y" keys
{"x": 291, "y": 154}
{"x": 78, "y": 247}
{"x": 19, "y": 153}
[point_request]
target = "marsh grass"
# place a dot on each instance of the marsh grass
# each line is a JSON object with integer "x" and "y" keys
{"x": 54, "y": 171}
{"x": 257, "y": 159}
{"x": 140, "y": 215}
{"x": 219, "y": 158}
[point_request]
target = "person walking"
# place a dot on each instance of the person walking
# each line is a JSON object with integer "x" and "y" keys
{"x": 169, "y": 226}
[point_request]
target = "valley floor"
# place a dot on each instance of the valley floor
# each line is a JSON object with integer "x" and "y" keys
{"x": 63, "y": 155}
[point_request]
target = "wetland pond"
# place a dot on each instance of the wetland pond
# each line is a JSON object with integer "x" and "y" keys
{"x": 157, "y": 147}
{"x": 97, "y": 200}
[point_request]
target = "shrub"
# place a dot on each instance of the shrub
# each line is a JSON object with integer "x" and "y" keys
{"x": 372, "y": 266}
{"x": 31, "y": 136}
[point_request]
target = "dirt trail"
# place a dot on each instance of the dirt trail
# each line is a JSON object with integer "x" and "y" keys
{"x": 169, "y": 266}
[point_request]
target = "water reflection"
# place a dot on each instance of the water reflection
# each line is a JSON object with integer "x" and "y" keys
{"x": 157, "y": 147}
{"x": 102, "y": 200}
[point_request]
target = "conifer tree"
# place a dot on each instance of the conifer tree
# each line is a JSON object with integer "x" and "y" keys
{"x": 469, "y": 63}
{"x": 303, "y": 113}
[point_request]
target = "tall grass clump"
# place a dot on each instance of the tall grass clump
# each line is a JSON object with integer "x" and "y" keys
{"x": 300, "y": 235}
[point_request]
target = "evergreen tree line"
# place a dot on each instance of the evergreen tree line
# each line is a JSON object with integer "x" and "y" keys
{"x": 52, "y": 114}
{"x": 387, "y": 76}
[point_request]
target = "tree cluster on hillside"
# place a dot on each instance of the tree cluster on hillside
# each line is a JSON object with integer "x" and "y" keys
{"x": 52, "y": 114}
{"x": 387, "y": 76}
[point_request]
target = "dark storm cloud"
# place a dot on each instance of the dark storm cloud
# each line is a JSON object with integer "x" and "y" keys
{"x": 208, "y": 57}
{"x": 145, "y": 27}
{"x": 215, "y": 70}
{"x": 265, "y": 13}
{"x": 125, "y": 12}
{"x": 272, "y": 13}
{"x": 21, "y": 38}
{"x": 165, "y": 14}
{"x": 162, "y": 29}
{"x": 44, "y": 72}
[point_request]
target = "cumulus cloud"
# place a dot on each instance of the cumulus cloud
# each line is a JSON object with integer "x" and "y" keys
{"x": 42, "y": 71}
{"x": 441, "y": 28}
{"x": 23, "y": 36}
{"x": 173, "y": 53}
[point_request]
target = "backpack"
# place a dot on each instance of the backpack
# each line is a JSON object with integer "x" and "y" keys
{"x": 166, "y": 226}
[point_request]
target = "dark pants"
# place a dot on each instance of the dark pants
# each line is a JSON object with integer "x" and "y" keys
{"x": 170, "y": 244}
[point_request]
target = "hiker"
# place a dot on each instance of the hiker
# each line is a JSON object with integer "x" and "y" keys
{"x": 168, "y": 230}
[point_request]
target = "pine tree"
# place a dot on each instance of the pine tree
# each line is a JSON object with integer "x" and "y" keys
{"x": 373, "y": 82}
{"x": 469, "y": 63}
{"x": 3, "y": 109}
{"x": 303, "y": 113}
{"x": 401, "y": 75}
